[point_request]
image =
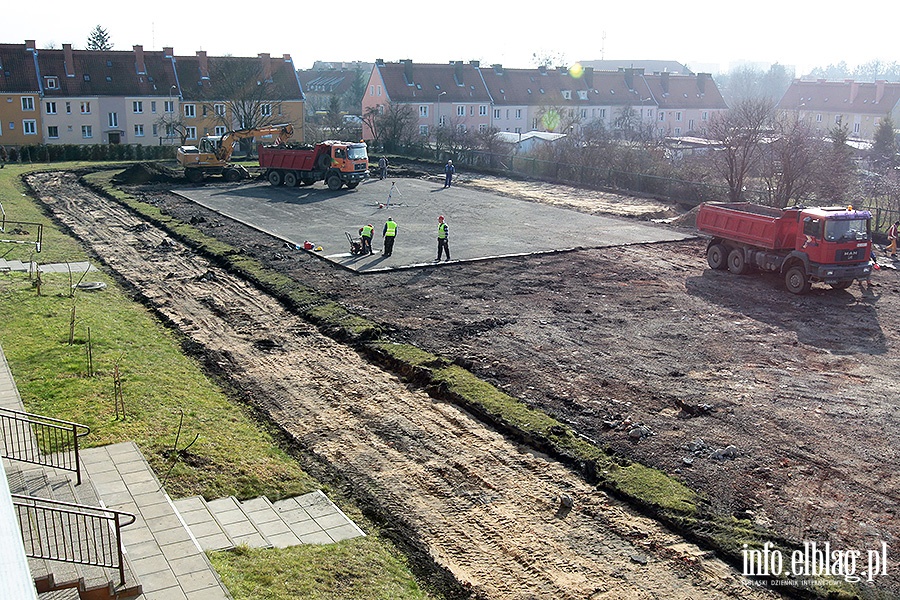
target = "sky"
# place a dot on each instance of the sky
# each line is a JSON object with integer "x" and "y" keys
{"x": 704, "y": 35}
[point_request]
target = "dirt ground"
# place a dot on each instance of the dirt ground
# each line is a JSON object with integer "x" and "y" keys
{"x": 799, "y": 390}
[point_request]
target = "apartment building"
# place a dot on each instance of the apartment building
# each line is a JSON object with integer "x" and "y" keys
{"x": 70, "y": 96}
{"x": 467, "y": 96}
{"x": 860, "y": 106}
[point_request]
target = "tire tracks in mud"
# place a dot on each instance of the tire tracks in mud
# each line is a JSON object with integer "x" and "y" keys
{"x": 505, "y": 521}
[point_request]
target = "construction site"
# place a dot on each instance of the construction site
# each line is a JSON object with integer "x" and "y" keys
{"x": 594, "y": 308}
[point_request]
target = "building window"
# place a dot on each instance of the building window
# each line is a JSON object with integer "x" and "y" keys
{"x": 496, "y": 113}
{"x": 518, "y": 113}
{"x": 584, "y": 113}
{"x": 482, "y": 128}
{"x": 155, "y": 130}
{"x": 153, "y": 106}
{"x": 423, "y": 111}
{"x": 51, "y": 108}
{"x": 51, "y": 83}
{"x": 371, "y": 90}
{"x": 704, "y": 116}
{"x": 169, "y": 106}
{"x": 68, "y": 108}
{"x": 27, "y": 103}
{"x": 423, "y": 130}
{"x": 220, "y": 130}
{"x": 191, "y": 133}
{"x": 87, "y": 131}
{"x": 461, "y": 128}
{"x": 662, "y": 115}
{"x": 219, "y": 109}
{"x": 482, "y": 110}
{"x": 677, "y": 115}
{"x": 442, "y": 120}
{"x": 190, "y": 110}
{"x": 856, "y": 128}
{"x": 139, "y": 131}
{"x": 677, "y": 131}
{"x": 690, "y": 124}
{"x": 85, "y": 108}
{"x": 137, "y": 106}
{"x": 602, "y": 113}
{"x": 265, "y": 110}
{"x": 378, "y": 91}
{"x": 567, "y": 94}
{"x": 29, "y": 127}
{"x": 460, "y": 111}
{"x": 53, "y": 132}
{"x": 113, "y": 119}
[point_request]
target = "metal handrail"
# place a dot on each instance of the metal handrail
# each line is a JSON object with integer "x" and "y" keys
{"x": 40, "y": 440}
{"x": 74, "y": 533}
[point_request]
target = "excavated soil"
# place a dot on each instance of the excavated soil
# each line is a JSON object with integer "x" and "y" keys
{"x": 779, "y": 408}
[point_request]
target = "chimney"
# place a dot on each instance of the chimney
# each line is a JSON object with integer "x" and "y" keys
{"x": 854, "y": 90}
{"x": 266, "y": 64}
{"x": 498, "y": 68}
{"x": 379, "y": 62}
{"x": 139, "y": 65}
{"x": 287, "y": 58}
{"x": 589, "y": 77}
{"x": 69, "y": 59}
{"x": 168, "y": 52}
{"x": 542, "y": 69}
{"x": 629, "y": 78}
{"x": 204, "y": 64}
{"x": 475, "y": 63}
{"x": 664, "y": 81}
{"x": 879, "y": 89}
{"x": 702, "y": 78}
{"x": 30, "y": 45}
{"x": 458, "y": 72}
{"x": 407, "y": 70}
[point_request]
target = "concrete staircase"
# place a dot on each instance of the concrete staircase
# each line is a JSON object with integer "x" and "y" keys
{"x": 224, "y": 523}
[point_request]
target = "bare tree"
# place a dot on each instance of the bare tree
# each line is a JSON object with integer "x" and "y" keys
{"x": 740, "y": 131}
{"x": 789, "y": 161}
{"x": 836, "y": 174}
{"x": 392, "y": 125}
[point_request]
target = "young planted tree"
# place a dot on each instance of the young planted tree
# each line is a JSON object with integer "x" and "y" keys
{"x": 98, "y": 39}
{"x": 883, "y": 155}
{"x": 789, "y": 161}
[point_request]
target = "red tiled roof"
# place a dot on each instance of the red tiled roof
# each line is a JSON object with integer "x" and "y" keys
{"x": 17, "y": 71}
{"x": 409, "y": 82}
{"x": 211, "y": 83}
{"x": 878, "y": 98}
{"x": 106, "y": 73}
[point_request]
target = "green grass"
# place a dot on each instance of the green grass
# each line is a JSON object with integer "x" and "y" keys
{"x": 357, "y": 569}
{"x": 235, "y": 453}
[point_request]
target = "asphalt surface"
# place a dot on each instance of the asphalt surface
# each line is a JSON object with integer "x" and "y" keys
{"x": 482, "y": 225}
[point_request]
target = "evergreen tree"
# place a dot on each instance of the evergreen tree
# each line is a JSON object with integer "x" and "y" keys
{"x": 99, "y": 39}
{"x": 884, "y": 146}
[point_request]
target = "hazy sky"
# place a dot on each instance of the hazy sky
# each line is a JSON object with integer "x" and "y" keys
{"x": 699, "y": 33}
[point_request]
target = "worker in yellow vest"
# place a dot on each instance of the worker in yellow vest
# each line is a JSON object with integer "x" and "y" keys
{"x": 443, "y": 239}
{"x": 389, "y": 233}
{"x": 365, "y": 236}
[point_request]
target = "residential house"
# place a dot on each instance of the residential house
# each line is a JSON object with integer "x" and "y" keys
{"x": 860, "y": 106}
{"x": 326, "y": 80}
{"x": 70, "y": 96}
{"x": 467, "y": 96}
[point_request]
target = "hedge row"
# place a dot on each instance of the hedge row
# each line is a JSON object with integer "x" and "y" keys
{"x": 72, "y": 152}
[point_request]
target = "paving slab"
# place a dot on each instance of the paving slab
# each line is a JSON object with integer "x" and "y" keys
{"x": 482, "y": 225}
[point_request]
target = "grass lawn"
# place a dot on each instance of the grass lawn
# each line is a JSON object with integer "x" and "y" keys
{"x": 46, "y": 339}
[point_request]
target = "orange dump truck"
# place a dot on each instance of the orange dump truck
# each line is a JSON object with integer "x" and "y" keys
{"x": 832, "y": 245}
{"x": 335, "y": 163}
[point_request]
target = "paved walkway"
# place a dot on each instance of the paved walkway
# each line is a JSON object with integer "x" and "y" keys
{"x": 166, "y": 544}
{"x": 482, "y": 225}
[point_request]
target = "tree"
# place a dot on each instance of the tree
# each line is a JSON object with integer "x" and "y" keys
{"x": 789, "y": 162}
{"x": 836, "y": 171}
{"x": 883, "y": 155}
{"x": 740, "y": 132}
{"x": 391, "y": 126}
{"x": 99, "y": 40}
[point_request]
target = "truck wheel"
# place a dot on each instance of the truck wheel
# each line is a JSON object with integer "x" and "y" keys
{"x": 275, "y": 178}
{"x": 291, "y": 179}
{"x": 233, "y": 175}
{"x": 796, "y": 281}
{"x": 352, "y": 185}
{"x": 323, "y": 163}
{"x": 194, "y": 175}
{"x": 334, "y": 183}
{"x": 736, "y": 262}
{"x": 841, "y": 285}
{"x": 305, "y": 181}
{"x": 716, "y": 256}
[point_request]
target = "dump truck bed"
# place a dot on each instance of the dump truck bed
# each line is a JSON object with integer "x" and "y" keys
{"x": 747, "y": 223}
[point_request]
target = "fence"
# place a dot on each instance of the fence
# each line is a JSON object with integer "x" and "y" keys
{"x": 41, "y": 440}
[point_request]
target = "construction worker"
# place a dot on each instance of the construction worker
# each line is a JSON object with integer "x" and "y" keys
{"x": 389, "y": 233}
{"x": 443, "y": 239}
{"x": 365, "y": 236}
{"x": 892, "y": 234}
{"x": 449, "y": 170}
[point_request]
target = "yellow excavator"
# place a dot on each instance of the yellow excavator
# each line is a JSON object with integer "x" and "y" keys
{"x": 212, "y": 155}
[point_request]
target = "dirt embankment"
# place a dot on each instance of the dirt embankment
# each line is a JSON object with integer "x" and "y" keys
{"x": 505, "y": 521}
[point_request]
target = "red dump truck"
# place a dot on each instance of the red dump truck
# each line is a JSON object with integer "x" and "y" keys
{"x": 828, "y": 244}
{"x": 335, "y": 163}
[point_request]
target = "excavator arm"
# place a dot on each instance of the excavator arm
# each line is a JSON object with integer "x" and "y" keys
{"x": 283, "y": 133}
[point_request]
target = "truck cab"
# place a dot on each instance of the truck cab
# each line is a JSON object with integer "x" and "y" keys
{"x": 835, "y": 235}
